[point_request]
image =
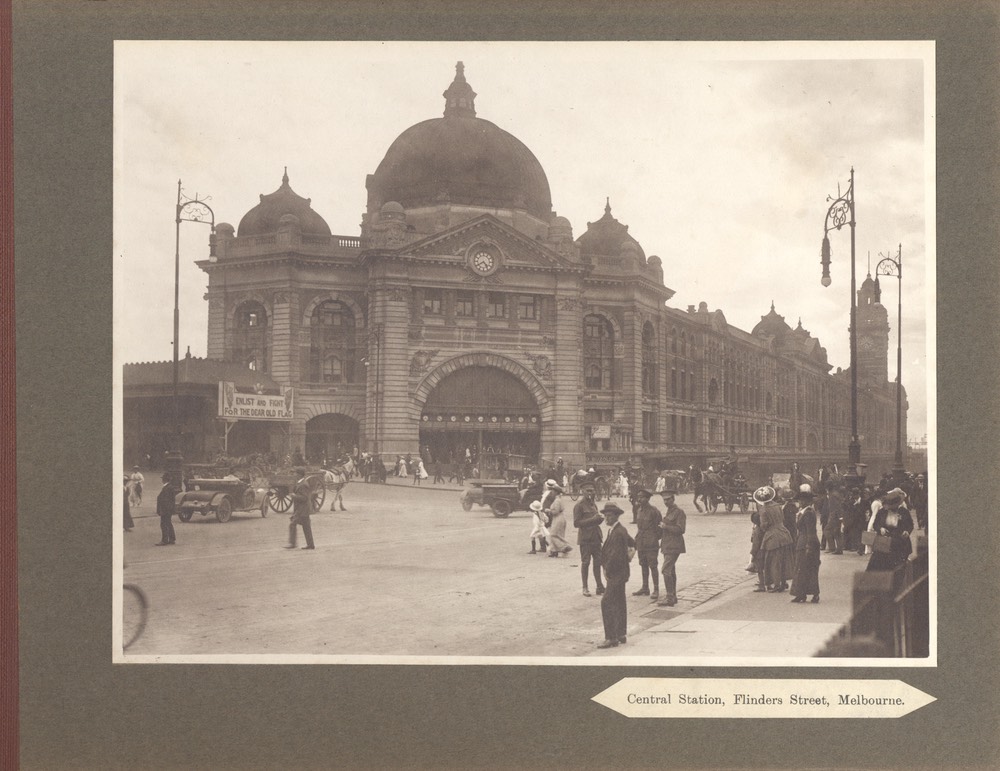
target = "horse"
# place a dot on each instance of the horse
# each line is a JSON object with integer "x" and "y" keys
{"x": 336, "y": 479}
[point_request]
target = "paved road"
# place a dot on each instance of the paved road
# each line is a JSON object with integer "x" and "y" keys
{"x": 406, "y": 572}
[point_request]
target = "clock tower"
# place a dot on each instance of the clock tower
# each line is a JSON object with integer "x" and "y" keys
{"x": 873, "y": 335}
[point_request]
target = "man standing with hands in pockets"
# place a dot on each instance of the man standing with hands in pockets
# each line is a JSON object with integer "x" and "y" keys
{"x": 615, "y": 555}
{"x": 587, "y": 519}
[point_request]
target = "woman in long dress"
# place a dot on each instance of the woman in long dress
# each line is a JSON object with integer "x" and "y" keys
{"x": 806, "y": 580}
{"x": 892, "y": 520}
{"x": 775, "y": 556}
{"x": 554, "y": 507}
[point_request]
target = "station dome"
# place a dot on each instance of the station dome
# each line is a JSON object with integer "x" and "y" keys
{"x": 771, "y": 325}
{"x": 266, "y": 217}
{"x": 460, "y": 159}
{"x": 608, "y": 238}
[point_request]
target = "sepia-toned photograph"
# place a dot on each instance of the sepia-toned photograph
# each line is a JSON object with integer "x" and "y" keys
{"x": 590, "y": 353}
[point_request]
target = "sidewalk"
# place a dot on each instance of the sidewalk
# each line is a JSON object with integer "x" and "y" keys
{"x": 724, "y": 617}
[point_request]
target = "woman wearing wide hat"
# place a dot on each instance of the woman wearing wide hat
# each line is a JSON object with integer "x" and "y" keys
{"x": 892, "y": 520}
{"x": 776, "y": 547}
{"x": 806, "y": 580}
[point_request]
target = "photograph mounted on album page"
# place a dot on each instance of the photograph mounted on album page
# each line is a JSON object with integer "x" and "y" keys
{"x": 448, "y": 337}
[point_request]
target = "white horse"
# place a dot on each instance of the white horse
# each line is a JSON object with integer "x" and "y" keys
{"x": 336, "y": 479}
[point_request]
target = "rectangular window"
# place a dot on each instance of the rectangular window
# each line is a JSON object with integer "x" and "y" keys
{"x": 465, "y": 305}
{"x": 673, "y": 383}
{"x": 649, "y": 432}
{"x": 527, "y": 308}
{"x": 673, "y": 428}
{"x": 496, "y": 306}
{"x": 433, "y": 302}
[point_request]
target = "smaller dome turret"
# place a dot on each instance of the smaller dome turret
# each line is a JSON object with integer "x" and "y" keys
{"x": 609, "y": 238}
{"x": 266, "y": 217}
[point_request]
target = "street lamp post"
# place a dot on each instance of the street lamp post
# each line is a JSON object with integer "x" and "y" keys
{"x": 888, "y": 266}
{"x": 187, "y": 210}
{"x": 840, "y": 213}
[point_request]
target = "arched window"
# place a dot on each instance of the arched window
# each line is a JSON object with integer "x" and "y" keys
{"x": 332, "y": 343}
{"x": 598, "y": 352}
{"x": 713, "y": 391}
{"x": 648, "y": 360}
{"x": 250, "y": 336}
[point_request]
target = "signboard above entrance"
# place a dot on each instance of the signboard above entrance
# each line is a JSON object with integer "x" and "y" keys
{"x": 602, "y": 431}
{"x": 246, "y": 404}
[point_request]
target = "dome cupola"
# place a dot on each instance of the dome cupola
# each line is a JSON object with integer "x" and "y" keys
{"x": 609, "y": 238}
{"x": 460, "y": 159}
{"x": 269, "y": 215}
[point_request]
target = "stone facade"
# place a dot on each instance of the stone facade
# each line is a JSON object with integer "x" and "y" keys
{"x": 465, "y": 275}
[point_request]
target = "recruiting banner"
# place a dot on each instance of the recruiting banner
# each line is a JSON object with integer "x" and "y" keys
{"x": 247, "y": 404}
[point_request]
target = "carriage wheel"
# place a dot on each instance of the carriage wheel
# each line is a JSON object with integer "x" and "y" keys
{"x": 224, "y": 511}
{"x": 501, "y": 508}
{"x": 318, "y": 496}
{"x": 279, "y": 500}
{"x": 729, "y": 504}
{"x": 744, "y": 503}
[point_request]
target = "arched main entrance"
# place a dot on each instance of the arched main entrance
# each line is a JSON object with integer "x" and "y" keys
{"x": 488, "y": 412}
{"x": 329, "y": 436}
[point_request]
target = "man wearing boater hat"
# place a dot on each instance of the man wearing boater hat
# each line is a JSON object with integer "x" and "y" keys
{"x": 615, "y": 555}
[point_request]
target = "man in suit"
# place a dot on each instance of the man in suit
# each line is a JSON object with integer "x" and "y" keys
{"x": 165, "y": 503}
{"x": 301, "y": 511}
{"x": 587, "y": 520}
{"x": 615, "y": 555}
{"x": 673, "y": 525}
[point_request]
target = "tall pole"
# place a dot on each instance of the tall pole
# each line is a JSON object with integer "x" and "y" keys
{"x": 888, "y": 266}
{"x": 840, "y": 213}
{"x": 191, "y": 210}
{"x": 899, "y": 367}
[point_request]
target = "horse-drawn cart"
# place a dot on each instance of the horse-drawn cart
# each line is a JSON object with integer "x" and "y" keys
{"x": 729, "y": 490}
{"x": 281, "y": 485}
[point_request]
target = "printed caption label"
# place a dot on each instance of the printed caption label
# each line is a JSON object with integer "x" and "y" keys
{"x": 707, "y": 698}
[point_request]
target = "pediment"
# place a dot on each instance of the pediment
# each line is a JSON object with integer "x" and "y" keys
{"x": 517, "y": 250}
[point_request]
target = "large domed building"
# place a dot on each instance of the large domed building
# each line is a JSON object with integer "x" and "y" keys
{"x": 465, "y": 319}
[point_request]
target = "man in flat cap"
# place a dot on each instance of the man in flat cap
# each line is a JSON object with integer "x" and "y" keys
{"x": 615, "y": 555}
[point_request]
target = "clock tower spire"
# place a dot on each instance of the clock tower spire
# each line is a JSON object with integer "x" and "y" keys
{"x": 873, "y": 335}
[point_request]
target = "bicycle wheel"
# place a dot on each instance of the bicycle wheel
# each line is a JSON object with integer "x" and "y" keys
{"x": 135, "y": 611}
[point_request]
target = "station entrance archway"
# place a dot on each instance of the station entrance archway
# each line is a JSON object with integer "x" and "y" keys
{"x": 486, "y": 411}
{"x": 329, "y": 436}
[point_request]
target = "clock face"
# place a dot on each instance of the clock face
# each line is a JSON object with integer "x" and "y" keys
{"x": 483, "y": 262}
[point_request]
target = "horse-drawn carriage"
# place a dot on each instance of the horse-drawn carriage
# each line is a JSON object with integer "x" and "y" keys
{"x": 727, "y": 487}
{"x": 600, "y": 480}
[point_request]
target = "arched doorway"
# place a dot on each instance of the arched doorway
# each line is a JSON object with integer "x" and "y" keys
{"x": 486, "y": 411}
{"x": 329, "y": 436}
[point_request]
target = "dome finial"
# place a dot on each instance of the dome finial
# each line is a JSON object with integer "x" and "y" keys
{"x": 772, "y": 306}
{"x": 284, "y": 178}
{"x": 459, "y": 99}
{"x": 607, "y": 205}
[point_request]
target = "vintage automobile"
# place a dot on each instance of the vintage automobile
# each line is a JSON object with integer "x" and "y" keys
{"x": 222, "y": 497}
{"x": 502, "y": 497}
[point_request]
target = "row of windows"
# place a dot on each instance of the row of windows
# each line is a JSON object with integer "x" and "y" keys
{"x": 525, "y": 307}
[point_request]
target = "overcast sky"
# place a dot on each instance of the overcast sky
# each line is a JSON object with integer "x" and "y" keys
{"x": 719, "y": 157}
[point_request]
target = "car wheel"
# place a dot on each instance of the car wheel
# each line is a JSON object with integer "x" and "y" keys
{"x": 501, "y": 508}
{"x": 224, "y": 511}
{"x": 184, "y": 515}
